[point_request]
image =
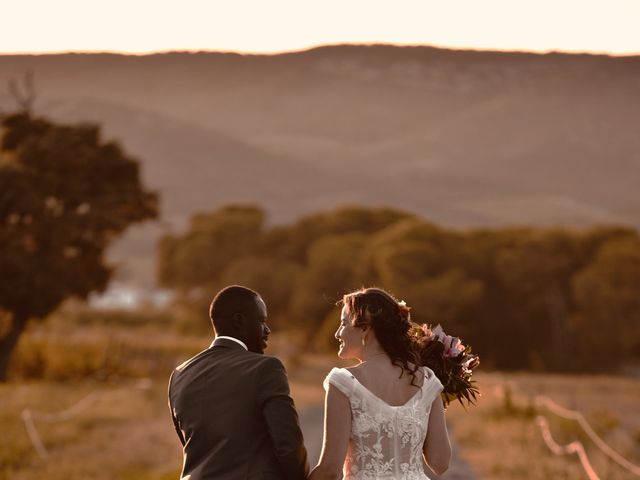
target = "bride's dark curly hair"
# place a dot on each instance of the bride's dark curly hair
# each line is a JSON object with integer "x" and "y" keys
{"x": 390, "y": 322}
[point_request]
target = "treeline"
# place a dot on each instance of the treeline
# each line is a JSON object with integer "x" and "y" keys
{"x": 525, "y": 298}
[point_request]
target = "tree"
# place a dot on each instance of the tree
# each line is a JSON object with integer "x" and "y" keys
{"x": 523, "y": 297}
{"x": 328, "y": 274}
{"x": 534, "y": 278}
{"x": 607, "y": 293}
{"x": 213, "y": 241}
{"x": 65, "y": 194}
{"x": 421, "y": 264}
{"x": 292, "y": 242}
{"x": 274, "y": 279}
{"x": 194, "y": 263}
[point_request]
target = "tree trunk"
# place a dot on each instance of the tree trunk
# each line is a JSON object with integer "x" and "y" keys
{"x": 8, "y": 343}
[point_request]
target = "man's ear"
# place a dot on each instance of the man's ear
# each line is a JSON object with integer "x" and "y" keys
{"x": 237, "y": 322}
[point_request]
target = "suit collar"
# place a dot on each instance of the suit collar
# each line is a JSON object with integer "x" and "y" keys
{"x": 225, "y": 341}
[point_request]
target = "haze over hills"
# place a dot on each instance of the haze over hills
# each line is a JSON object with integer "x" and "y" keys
{"x": 463, "y": 138}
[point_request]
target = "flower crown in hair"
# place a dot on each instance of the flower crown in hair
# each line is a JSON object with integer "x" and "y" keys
{"x": 404, "y": 310}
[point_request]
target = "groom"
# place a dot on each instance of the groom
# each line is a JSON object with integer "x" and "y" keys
{"x": 230, "y": 404}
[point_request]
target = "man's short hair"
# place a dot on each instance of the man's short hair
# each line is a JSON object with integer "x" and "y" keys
{"x": 230, "y": 300}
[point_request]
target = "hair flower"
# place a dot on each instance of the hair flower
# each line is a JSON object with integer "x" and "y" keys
{"x": 404, "y": 310}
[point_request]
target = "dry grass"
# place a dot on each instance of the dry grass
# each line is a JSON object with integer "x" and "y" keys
{"x": 501, "y": 440}
{"x": 125, "y": 432}
{"x": 59, "y": 351}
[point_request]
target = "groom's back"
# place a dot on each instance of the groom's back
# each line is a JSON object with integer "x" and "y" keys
{"x": 217, "y": 400}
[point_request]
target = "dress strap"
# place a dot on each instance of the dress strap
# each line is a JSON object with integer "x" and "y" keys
{"x": 432, "y": 386}
{"x": 342, "y": 380}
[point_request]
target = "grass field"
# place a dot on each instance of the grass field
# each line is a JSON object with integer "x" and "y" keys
{"x": 115, "y": 374}
{"x": 501, "y": 439}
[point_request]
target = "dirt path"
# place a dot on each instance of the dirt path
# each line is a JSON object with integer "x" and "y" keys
{"x": 311, "y": 419}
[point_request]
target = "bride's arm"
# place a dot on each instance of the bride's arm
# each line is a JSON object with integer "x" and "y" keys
{"x": 337, "y": 428}
{"x": 437, "y": 448}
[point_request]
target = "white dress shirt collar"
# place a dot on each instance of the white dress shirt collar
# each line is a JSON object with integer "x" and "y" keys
{"x": 225, "y": 337}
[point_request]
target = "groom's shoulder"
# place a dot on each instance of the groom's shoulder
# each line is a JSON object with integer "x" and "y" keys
{"x": 268, "y": 361}
{"x": 252, "y": 361}
{"x": 192, "y": 361}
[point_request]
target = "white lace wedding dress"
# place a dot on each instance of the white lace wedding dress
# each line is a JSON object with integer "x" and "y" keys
{"x": 386, "y": 441}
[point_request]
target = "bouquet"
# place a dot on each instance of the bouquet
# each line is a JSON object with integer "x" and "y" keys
{"x": 451, "y": 361}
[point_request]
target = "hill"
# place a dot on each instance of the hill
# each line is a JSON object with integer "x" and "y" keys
{"x": 464, "y": 138}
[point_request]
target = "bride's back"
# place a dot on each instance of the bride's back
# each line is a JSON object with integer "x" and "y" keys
{"x": 387, "y": 381}
{"x": 377, "y": 414}
{"x": 389, "y": 420}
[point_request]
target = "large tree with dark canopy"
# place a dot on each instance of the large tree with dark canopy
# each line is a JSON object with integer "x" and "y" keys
{"x": 65, "y": 194}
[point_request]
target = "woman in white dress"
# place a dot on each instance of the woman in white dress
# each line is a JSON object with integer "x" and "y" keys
{"x": 383, "y": 416}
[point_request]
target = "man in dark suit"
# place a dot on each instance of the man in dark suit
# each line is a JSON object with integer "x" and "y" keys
{"x": 230, "y": 404}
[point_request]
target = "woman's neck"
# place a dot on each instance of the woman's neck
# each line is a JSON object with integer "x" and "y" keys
{"x": 373, "y": 355}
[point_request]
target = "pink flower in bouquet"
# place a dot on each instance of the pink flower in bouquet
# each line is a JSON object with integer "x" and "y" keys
{"x": 451, "y": 361}
{"x": 438, "y": 333}
{"x": 452, "y": 345}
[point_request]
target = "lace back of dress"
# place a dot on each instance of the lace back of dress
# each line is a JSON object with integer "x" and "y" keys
{"x": 386, "y": 441}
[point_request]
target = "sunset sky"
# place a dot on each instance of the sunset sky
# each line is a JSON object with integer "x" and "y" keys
{"x": 141, "y": 26}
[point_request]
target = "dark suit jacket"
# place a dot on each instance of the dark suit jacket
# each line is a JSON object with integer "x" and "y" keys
{"x": 234, "y": 416}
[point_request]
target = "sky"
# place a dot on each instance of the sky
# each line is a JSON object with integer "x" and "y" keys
{"x": 271, "y": 26}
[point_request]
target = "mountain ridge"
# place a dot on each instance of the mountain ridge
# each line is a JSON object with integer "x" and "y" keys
{"x": 464, "y": 138}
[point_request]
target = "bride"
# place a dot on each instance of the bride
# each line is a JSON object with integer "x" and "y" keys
{"x": 383, "y": 415}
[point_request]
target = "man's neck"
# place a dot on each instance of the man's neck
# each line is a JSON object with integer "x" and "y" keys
{"x": 227, "y": 337}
